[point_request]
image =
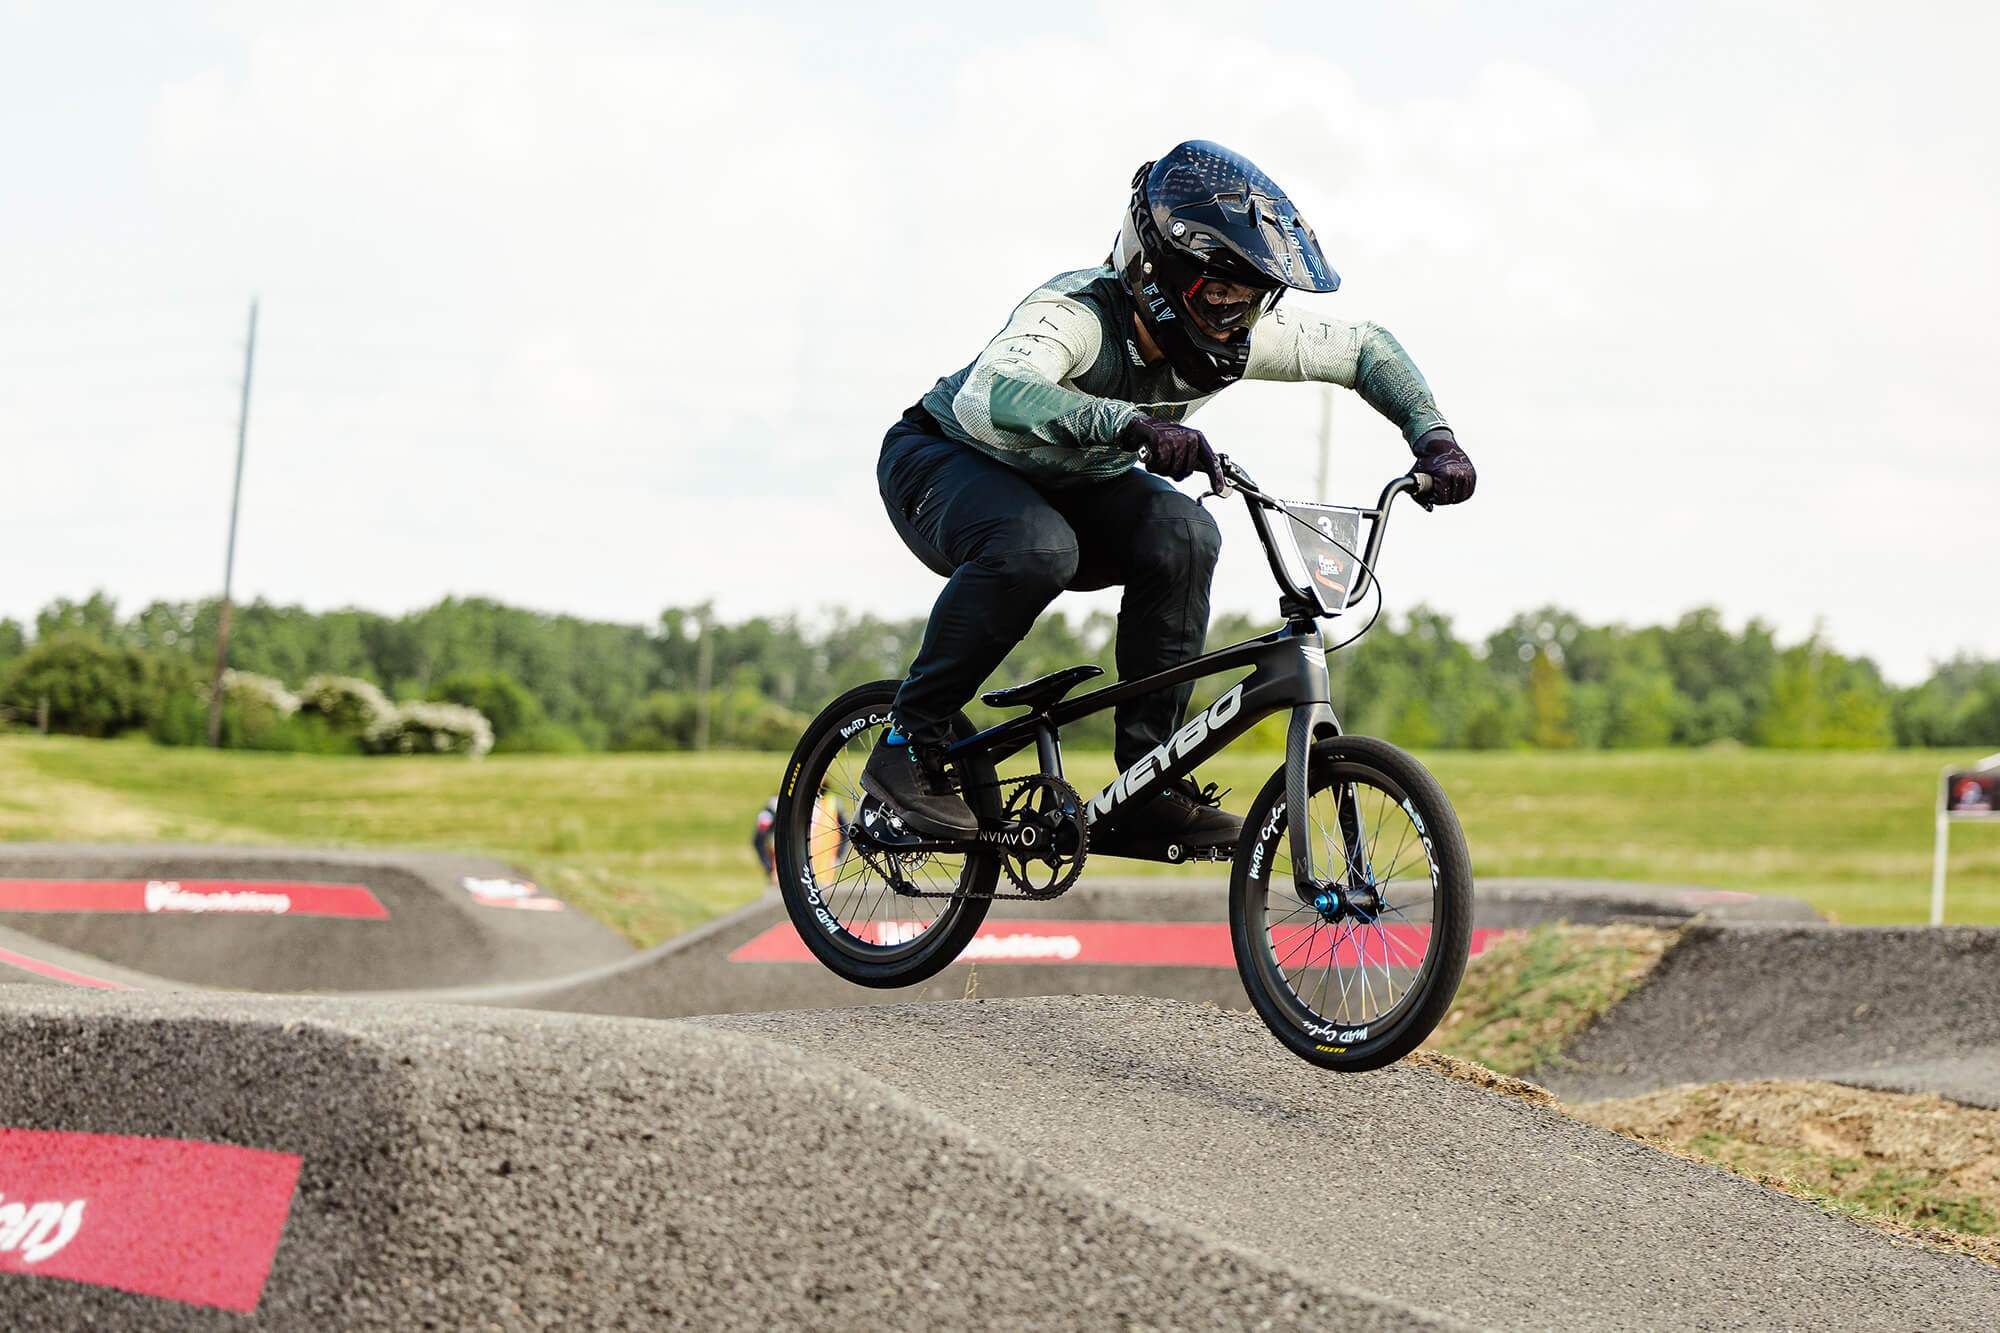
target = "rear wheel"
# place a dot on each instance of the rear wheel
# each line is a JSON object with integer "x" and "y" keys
{"x": 1353, "y": 959}
{"x": 857, "y": 912}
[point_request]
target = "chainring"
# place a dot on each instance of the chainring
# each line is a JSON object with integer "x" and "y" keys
{"x": 1049, "y": 867}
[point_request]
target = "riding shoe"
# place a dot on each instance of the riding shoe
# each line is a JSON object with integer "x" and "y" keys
{"x": 1180, "y": 813}
{"x": 909, "y": 777}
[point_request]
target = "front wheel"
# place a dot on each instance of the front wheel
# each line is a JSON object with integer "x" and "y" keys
{"x": 1353, "y": 959}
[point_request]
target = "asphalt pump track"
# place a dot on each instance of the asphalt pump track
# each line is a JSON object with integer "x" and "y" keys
{"x": 1902, "y": 1008}
{"x": 1060, "y": 1162}
{"x": 286, "y": 919}
{"x": 445, "y": 1155}
{"x": 409, "y": 927}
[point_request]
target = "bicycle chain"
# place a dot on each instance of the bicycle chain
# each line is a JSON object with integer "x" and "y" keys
{"x": 904, "y": 888}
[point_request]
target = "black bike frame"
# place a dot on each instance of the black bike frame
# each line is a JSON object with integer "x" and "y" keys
{"x": 1287, "y": 671}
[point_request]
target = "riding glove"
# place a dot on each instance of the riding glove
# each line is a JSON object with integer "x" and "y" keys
{"x": 1173, "y": 450}
{"x": 1451, "y": 473}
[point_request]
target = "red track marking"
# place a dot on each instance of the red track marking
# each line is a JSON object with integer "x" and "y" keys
{"x": 55, "y": 973}
{"x": 192, "y": 1222}
{"x": 191, "y": 897}
{"x": 1103, "y": 943}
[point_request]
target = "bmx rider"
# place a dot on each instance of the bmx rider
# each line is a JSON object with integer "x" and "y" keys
{"x": 1014, "y": 478}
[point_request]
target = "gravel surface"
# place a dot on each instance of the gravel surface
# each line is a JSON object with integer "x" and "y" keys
{"x": 436, "y": 935}
{"x": 1404, "y": 1183}
{"x": 1908, "y": 1008}
{"x": 487, "y": 1169}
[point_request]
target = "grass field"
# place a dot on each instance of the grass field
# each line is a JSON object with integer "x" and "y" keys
{"x": 656, "y": 843}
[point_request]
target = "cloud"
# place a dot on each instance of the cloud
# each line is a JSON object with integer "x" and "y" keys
{"x": 607, "y": 307}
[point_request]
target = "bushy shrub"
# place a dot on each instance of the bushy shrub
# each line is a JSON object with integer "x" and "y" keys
{"x": 350, "y": 705}
{"x": 739, "y": 719}
{"x": 302, "y": 733}
{"x": 91, "y": 688}
{"x": 181, "y": 720}
{"x": 260, "y": 702}
{"x": 432, "y": 728}
{"x": 663, "y": 720}
{"x": 507, "y": 704}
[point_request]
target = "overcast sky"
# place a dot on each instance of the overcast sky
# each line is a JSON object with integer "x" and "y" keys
{"x": 601, "y": 307}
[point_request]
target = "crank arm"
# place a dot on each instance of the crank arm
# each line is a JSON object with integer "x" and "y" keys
{"x": 1014, "y": 837}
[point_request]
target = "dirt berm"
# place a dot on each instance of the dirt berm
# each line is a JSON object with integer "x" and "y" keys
{"x": 1033, "y": 1163}
{"x": 431, "y": 930}
{"x": 1907, "y": 1008}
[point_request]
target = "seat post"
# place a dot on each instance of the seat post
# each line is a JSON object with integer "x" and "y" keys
{"x": 1048, "y": 749}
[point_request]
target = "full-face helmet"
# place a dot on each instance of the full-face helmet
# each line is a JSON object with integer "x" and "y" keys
{"x": 1208, "y": 246}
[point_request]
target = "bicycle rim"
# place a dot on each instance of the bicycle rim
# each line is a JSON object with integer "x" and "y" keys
{"x": 854, "y": 896}
{"x": 1351, "y": 956}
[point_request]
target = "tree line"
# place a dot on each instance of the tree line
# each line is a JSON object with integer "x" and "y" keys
{"x": 1547, "y": 679}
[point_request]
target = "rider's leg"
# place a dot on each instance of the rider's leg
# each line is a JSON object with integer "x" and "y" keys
{"x": 1138, "y": 530}
{"x": 1006, "y": 555}
{"x": 1154, "y": 539}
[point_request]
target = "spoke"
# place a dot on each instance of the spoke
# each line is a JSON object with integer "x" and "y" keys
{"x": 1326, "y": 973}
{"x": 1388, "y": 981}
{"x": 1396, "y": 859}
{"x": 1398, "y": 942}
{"x": 1343, "y": 1013}
{"x": 1305, "y": 938}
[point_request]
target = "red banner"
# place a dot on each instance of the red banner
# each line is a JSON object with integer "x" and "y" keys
{"x": 1113, "y": 943}
{"x": 192, "y": 1222}
{"x": 191, "y": 897}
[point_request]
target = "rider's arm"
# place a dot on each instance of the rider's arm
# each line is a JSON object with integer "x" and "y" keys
{"x": 1362, "y": 356}
{"x": 1014, "y": 397}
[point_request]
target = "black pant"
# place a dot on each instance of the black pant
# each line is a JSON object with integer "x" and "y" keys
{"x": 1007, "y": 548}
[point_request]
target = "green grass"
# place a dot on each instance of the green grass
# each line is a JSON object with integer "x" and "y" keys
{"x": 1911, "y": 1196}
{"x": 655, "y": 843}
{"x": 1912, "y": 1163}
{"x": 649, "y": 844}
{"x": 1528, "y": 995}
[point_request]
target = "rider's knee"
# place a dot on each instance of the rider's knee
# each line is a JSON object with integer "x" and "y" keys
{"x": 1204, "y": 538}
{"x": 1040, "y": 569}
{"x": 1185, "y": 546}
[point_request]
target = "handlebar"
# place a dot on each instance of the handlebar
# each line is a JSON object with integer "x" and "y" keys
{"x": 1417, "y": 485}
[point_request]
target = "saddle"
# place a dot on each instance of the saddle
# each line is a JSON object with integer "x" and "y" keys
{"x": 1042, "y": 691}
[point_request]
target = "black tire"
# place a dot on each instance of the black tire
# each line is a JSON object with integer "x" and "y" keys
{"x": 841, "y": 919}
{"x": 1271, "y": 923}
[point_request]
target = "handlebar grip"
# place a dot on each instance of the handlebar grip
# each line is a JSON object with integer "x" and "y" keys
{"x": 1425, "y": 483}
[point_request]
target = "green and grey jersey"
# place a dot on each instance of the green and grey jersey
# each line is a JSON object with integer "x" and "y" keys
{"x": 1054, "y": 388}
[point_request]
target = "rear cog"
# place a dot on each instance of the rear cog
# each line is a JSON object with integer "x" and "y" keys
{"x": 1049, "y": 864}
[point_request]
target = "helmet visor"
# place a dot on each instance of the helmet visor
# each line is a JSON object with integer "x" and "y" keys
{"x": 1225, "y": 306}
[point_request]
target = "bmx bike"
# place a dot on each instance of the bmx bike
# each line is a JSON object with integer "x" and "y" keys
{"x": 1350, "y": 896}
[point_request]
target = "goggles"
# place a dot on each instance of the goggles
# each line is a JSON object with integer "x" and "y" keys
{"x": 1226, "y": 306}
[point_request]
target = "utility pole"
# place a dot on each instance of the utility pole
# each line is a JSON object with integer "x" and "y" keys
{"x": 1325, "y": 439}
{"x": 229, "y": 561}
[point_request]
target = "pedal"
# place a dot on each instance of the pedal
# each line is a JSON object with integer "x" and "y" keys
{"x": 878, "y": 828}
{"x": 1172, "y": 853}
